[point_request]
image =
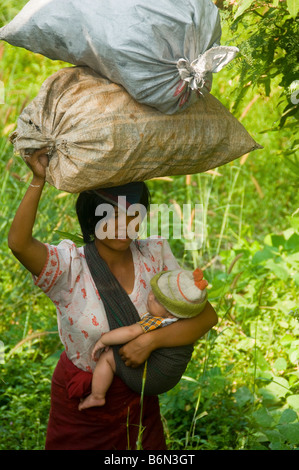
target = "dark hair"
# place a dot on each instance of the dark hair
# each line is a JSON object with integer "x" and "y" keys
{"x": 86, "y": 205}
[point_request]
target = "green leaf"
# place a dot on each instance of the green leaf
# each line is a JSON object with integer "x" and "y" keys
{"x": 263, "y": 376}
{"x": 277, "y": 269}
{"x": 263, "y": 255}
{"x": 190, "y": 379}
{"x": 280, "y": 364}
{"x": 288, "y": 416}
{"x": 78, "y": 239}
{"x": 245, "y": 344}
{"x": 293, "y": 242}
{"x": 290, "y": 432}
{"x": 294, "y": 356}
{"x": 277, "y": 240}
{"x": 274, "y": 437}
{"x": 294, "y": 352}
{"x": 244, "y": 5}
{"x": 263, "y": 418}
{"x": 276, "y": 445}
{"x": 293, "y": 7}
{"x": 293, "y": 401}
{"x": 294, "y": 222}
{"x": 260, "y": 360}
{"x": 243, "y": 396}
{"x": 279, "y": 387}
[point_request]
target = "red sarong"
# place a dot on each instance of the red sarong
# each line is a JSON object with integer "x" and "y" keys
{"x": 113, "y": 426}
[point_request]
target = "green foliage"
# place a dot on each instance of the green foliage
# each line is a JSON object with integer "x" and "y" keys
{"x": 25, "y": 394}
{"x": 244, "y": 376}
{"x": 266, "y": 33}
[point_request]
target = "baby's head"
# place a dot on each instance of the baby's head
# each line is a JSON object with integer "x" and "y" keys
{"x": 155, "y": 308}
{"x": 177, "y": 293}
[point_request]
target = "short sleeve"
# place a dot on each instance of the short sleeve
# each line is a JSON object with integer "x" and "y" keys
{"x": 169, "y": 260}
{"x": 62, "y": 267}
{"x": 158, "y": 254}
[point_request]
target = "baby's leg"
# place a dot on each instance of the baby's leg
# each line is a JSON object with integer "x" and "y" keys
{"x": 101, "y": 381}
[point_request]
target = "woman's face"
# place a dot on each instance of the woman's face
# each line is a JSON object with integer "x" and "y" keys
{"x": 117, "y": 229}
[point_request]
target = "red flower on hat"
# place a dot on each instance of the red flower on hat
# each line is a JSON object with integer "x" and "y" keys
{"x": 198, "y": 279}
{"x": 202, "y": 284}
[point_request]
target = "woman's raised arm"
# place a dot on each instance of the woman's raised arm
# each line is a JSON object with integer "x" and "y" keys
{"x": 180, "y": 333}
{"x": 29, "y": 251}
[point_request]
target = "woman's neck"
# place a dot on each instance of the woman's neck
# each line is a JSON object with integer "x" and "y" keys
{"x": 120, "y": 263}
{"x": 111, "y": 256}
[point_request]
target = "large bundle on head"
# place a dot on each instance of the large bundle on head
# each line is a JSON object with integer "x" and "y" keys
{"x": 161, "y": 51}
{"x": 100, "y": 136}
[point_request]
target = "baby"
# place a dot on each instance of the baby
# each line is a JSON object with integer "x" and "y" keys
{"x": 175, "y": 294}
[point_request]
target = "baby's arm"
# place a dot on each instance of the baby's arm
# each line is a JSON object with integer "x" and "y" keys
{"x": 121, "y": 335}
{"x": 118, "y": 336}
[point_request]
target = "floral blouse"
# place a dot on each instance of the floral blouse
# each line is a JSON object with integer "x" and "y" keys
{"x": 81, "y": 316}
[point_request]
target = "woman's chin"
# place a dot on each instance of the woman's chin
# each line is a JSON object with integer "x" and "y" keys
{"x": 121, "y": 243}
{"x": 118, "y": 244}
{"x": 124, "y": 240}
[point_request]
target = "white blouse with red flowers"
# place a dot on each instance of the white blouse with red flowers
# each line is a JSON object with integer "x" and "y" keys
{"x": 81, "y": 316}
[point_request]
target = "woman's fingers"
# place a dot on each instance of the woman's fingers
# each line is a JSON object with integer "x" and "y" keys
{"x": 136, "y": 352}
{"x": 130, "y": 362}
{"x": 38, "y": 162}
{"x": 37, "y": 153}
{"x": 43, "y": 160}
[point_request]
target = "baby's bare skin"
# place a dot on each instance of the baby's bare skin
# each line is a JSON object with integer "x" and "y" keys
{"x": 105, "y": 369}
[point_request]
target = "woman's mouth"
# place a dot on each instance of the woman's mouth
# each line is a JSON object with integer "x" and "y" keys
{"x": 124, "y": 239}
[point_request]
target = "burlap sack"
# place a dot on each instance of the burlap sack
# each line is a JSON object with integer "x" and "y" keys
{"x": 100, "y": 136}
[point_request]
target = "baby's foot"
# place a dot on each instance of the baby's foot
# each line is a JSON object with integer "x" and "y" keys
{"x": 91, "y": 401}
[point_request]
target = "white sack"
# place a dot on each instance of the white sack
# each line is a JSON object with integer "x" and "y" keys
{"x": 155, "y": 49}
{"x": 100, "y": 136}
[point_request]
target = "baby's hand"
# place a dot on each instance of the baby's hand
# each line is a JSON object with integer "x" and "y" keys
{"x": 98, "y": 346}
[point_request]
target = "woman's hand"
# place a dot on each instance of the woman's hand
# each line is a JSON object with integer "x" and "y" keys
{"x": 137, "y": 351}
{"x": 38, "y": 163}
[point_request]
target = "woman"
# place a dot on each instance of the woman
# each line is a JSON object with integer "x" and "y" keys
{"x": 62, "y": 273}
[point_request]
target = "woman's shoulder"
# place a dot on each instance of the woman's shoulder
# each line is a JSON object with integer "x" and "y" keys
{"x": 158, "y": 249}
{"x": 148, "y": 245}
{"x": 66, "y": 251}
{"x": 63, "y": 266}
{"x": 67, "y": 245}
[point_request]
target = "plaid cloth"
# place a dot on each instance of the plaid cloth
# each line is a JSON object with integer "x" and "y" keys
{"x": 148, "y": 322}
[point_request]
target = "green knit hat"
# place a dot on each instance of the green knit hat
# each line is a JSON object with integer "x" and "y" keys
{"x": 182, "y": 293}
